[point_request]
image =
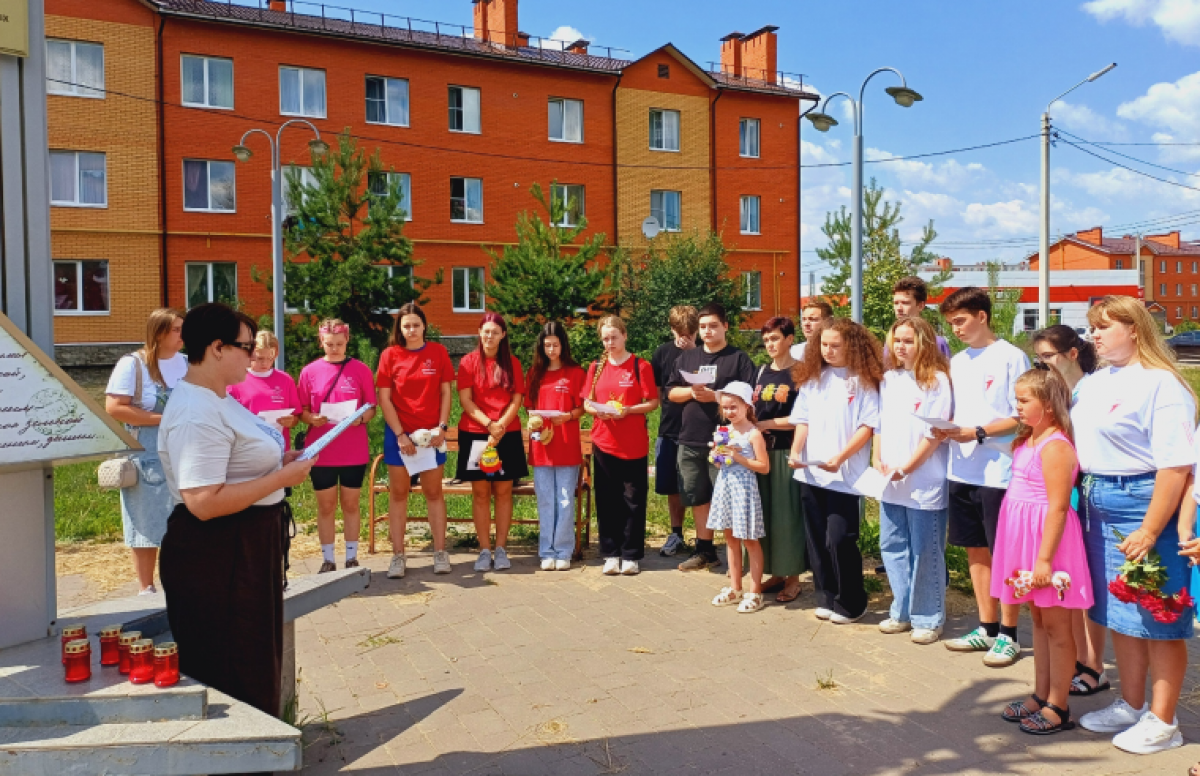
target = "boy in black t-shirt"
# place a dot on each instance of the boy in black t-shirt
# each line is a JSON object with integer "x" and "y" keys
{"x": 723, "y": 364}
{"x": 684, "y": 322}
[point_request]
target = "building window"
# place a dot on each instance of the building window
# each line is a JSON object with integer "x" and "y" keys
{"x": 75, "y": 69}
{"x": 566, "y": 120}
{"x": 206, "y": 82}
{"x": 395, "y": 272}
{"x": 464, "y": 109}
{"x": 749, "y": 218}
{"x": 1179, "y": 266}
{"x": 302, "y": 92}
{"x": 1120, "y": 264}
{"x": 664, "y": 130}
{"x": 1162, "y": 289}
{"x": 80, "y": 287}
{"x": 752, "y": 283}
{"x": 664, "y": 71}
{"x": 1195, "y": 266}
{"x": 1162, "y": 267}
{"x": 1178, "y": 312}
{"x": 387, "y": 101}
{"x": 209, "y": 186}
{"x": 380, "y": 183}
{"x": 78, "y": 179}
{"x": 666, "y": 206}
{"x": 211, "y": 281}
{"x": 297, "y": 181}
{"x": 468, "y": 290}
{"x": 1193, "y": 289}
{"x": 1194, "y": 311}
{"x": 748, "y": 138}
{"x": 571, "y": 199}
{"x": 1030, "y": 319}
{"x": 466, "y": 200}
{"x": 1179, "y": 289}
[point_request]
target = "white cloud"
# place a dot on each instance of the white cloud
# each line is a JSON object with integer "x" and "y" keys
{"x": 1005, "y": 218}
{"x": 1174, "y": 106}
{"x": 1083, "y": 119}
{"x": 1179, "y": 20}
{"x": 563, "y": 34}
{"x": 949, "y": 174}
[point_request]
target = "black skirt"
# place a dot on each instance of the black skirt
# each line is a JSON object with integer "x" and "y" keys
{"x": 223, "y": 580}
{"x": 512, "y": 458}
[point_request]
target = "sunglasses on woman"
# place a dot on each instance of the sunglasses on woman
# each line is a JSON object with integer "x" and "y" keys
{"x": 246, "y": 346}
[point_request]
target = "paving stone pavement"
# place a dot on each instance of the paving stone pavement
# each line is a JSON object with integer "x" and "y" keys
{"x": 530, "y": 672}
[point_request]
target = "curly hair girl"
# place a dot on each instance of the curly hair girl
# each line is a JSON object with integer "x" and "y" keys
{"x": 863, "y": 354}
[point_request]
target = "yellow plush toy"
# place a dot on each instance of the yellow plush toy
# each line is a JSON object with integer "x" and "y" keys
{"x": 540, "y": 430}
{"x": 489, "y": 462}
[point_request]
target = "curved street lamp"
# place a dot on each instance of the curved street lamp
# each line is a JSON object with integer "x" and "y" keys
{"x": 822, "y": 121}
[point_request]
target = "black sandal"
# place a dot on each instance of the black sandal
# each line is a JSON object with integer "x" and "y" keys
{"x": 1038, "y": 725}
{"x": 1080, "y": 688}
{"x": 1017, "y": 710}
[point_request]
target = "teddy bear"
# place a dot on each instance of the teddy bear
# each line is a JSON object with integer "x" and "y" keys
{"x": 1021, "y": 582}
{"x": 424, "y": 437}
{"x": 540, "y": 430}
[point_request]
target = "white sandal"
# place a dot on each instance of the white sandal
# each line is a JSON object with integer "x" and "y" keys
{"x": 751, "y": 602}
{"x": 726, "y": 597}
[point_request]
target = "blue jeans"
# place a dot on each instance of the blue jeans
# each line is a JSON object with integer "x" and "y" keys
{"x": 912, "y": 543}
{"x": 555, "y": 488}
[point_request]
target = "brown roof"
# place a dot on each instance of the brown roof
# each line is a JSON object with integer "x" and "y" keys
{"x": 1127, "y": 245}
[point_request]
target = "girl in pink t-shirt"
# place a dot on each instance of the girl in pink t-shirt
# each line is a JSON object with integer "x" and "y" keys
{"x": 341, "y": 467}
{"x": 267, "y": 391}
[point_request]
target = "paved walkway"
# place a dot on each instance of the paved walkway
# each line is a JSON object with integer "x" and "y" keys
{"x": 529, "y": 672}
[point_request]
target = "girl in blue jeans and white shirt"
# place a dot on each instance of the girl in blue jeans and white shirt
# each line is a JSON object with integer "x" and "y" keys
{"x": 912, "y": 520}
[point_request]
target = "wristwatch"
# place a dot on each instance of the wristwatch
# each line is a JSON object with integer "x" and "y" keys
{"x": 443, "y": 427}
{"x": 980, "y": 434}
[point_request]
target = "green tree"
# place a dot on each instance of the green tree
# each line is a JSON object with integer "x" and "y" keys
{"x": 345, "y": 226}
{"x": 677, "y": 269}
{"x": 883, "y": 260}
{"x": 546, "y": 276}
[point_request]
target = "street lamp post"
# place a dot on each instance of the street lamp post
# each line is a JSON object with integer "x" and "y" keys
{"x": 1044, "y": 238}
{"x": 243, "y": 154}
{"x": 905, "y": 98}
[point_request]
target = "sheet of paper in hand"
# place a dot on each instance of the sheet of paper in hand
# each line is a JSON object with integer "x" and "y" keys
{"x": 313, "y": 450}
{"x": 337, "y": 411}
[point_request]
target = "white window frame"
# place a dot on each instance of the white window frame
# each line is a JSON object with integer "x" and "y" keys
{"x": 302, "y": 71}
{"x": 465, "y": 273}
{"x": 208, "y": 163}
{"x": 466, "y": 128}
{"x": 1179, "y": 267}
{"x": 564, "y": 190}
{"x": 466, "y": 199}
{"x": 387, "y": 118}
{"x": 1195, "y": 267}
{"x": 74, "y": 88}
{"x": 1193, "y": 289}
{"x": 1179, "y": 289}
{"x": 750, "y": 222}
{"x": 187, "y": 291}
{"x": 391, "y": 271}
{"x": 307, "y": 178}
{"x": 1162, "y": 289}
{"x": 406, "y": 188}
{"x": 1162, "y": 266}
{"x": 663, "y": 114}
{"x": 78, "y": 264}
{"x": 662, "y": 209}
{"x": 744, "y": 150}
{"x": 562, "y": 103}
{"x": 1179, "y": 313}
{"x": 1195, "y": 310}
{"x": 79, "y": 181}
{"x": 752, "y": 283}
{"x": 207, "y": 104}
{"x": 1120, "y": 264}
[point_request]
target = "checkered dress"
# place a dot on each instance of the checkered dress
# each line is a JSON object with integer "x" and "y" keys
{"x": 735, "y": 501}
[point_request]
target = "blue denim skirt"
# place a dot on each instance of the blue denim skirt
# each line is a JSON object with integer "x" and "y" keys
{"x": 1118, "y": 504}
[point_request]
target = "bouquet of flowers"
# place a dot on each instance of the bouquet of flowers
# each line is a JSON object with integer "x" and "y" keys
{"x": 1142, "y": 583}
{"x": 721, "y": 454}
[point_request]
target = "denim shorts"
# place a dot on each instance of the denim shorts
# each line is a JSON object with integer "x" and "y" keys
{"x": 1119, "y": 504}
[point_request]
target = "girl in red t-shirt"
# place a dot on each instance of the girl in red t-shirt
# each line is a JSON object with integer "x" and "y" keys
{"x": 555, "y": 385}
{"x": 619, "y": 391}
{"x": 415, "y": 383}
{"x": 491, "y": 453}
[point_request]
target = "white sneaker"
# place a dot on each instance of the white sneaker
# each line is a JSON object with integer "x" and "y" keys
{"x": 823, "y": 614}
{"x": 1114, "y": 718}
{"x": 501, "y": 560}
{"x": 484, "y": 561}
{"x": 441, "y": 562}
{"x": 149, "y": 590}
{"x": 894, "y": 626}
{"x": 926, "y": 635}
{"x": 397, "y": 567}
{"x": 562, "y": 565}
{"x": 629, "y": 567}
{"x": 841, "y": 619}
{"x": 1149, "y": 735}
{"x": 547, "y": 564}
{"x": 612, "y": 566}
{"x": 672, "y": 545}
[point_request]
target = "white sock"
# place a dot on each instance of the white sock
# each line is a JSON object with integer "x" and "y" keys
{"x": 327, "y": 552}
{"x": 351, "y": 550}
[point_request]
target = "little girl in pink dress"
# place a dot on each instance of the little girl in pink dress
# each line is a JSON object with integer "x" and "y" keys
{"x": 1039, "y": 557}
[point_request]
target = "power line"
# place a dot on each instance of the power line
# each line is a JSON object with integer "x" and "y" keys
{"x": 1126, "y": 167}
{"x": 1132, "y": 158}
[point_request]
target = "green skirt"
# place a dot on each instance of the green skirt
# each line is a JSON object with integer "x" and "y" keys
{"x": 785, "y": 551}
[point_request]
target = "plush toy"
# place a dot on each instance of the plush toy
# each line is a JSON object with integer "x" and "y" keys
{"x": 424, "y": 437}
{"x": 540, "y": 430}
{"x": 616, "y": 404}
{"x": 1021, "y": 582}
{"x": 720, "y": 455}
{"x": 489, "y": 462}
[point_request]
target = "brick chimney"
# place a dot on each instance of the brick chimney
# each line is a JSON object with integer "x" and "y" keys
{"x": 731, "y": 54}
{"x": 1095, "y": 236}
{"x": 277, "y": 5}
{"x": 496, "y": 21}
{"x": 1170, "y": 238}
{"x": 578, "y": 47}
{"x": 523, "y": 40}
{"x": 759, "y": 54}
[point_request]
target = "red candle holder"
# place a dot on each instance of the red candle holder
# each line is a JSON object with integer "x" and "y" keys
{"x": 141, "y": 660}
{"x": 109, "y": 635}
{"x": 124, "y": 641}
{"x": 166, "y": 664}
{"x": 77, "y": 657}
{"x": 71, "y": 633}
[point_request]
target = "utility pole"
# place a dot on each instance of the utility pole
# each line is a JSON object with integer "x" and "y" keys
{"x": 812, "y": 284}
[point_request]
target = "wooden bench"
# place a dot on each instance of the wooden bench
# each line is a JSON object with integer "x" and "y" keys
{"x": 583, "y": 493}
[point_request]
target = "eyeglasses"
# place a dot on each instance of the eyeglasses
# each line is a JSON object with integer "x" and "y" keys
{"x": 246, "y": 346}
{"x": 1042, "y": 365}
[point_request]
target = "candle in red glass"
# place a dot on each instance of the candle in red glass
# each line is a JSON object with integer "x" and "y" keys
{"x": 166, "y": 664}
{"x": 109, "y": 635}
{"x": 124, "y": 641}
{"x": 141, "y": 658}
{"x": 78, "y": 657}
{"x": 69, "y": 634}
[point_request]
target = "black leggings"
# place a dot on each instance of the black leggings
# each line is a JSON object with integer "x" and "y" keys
{"x": 622, "y": 486}
{"x": 832, "y": 519}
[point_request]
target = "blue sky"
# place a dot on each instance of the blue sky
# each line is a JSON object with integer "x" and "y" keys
{"x": 986, "y": 70}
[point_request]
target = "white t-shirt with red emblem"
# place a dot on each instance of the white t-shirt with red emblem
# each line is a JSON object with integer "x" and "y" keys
{"x": 1133, "y": 420}
{"x": 834, "y": 407}
{"x": 985, "y": 382}
{"x": 901, "y": 432}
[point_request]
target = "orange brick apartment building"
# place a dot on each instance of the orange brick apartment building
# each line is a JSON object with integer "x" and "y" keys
{"x": 468, "y": 118}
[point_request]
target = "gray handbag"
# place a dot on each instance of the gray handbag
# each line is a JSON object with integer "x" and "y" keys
{"x": 120, "y": 471}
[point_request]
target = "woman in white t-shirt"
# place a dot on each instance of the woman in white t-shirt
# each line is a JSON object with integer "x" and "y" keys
{"x": 136, "y": 395}
{"x": 835, "y": 415}
{"x": 1135, "y": 422}
{"x": 912, "y": 519}
{"x": 222, "y": 557}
